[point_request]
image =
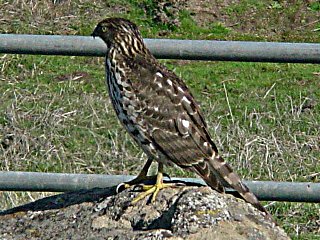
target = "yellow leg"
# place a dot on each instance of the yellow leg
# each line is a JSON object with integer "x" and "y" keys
{"x": 140, "y": 178}
{"x": 142, "y": 175}
{"x": 153, "y": 189}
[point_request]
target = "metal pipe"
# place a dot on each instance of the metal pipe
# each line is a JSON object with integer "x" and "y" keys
{"x": 166, "y": 48}
{"x": 63, "y": 182}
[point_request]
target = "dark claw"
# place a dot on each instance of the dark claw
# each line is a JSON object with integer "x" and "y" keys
{"x": 167, "y": 175}
{"x": 121, "y": 185}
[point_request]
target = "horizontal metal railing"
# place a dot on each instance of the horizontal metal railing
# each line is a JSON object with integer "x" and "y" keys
{"x": 166, "y": 48}
{"x": 169, "y": 49}
{"x": 63, "y": 182}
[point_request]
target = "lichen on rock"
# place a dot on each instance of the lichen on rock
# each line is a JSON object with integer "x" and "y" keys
{"x": 179, "y": 213}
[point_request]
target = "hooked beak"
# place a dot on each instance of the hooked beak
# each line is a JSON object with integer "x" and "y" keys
{"x": 94, "y": 34}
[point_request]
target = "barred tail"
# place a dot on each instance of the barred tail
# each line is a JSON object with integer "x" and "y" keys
{"x": 217, "y": 173}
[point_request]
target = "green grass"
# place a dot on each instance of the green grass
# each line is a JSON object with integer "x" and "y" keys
{"x": 55, "y": 115}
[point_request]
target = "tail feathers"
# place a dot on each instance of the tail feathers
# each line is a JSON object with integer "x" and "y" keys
{"x": 216, "y": 173}
{"x": 203, "y": 170}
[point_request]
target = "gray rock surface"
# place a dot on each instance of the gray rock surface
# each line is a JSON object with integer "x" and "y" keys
{"x": 178, "y": 213}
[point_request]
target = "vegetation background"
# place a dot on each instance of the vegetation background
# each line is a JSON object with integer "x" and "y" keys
{"x": 55, "y": 114}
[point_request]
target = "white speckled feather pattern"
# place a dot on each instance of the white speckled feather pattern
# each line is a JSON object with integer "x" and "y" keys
{"x": 158, "y": 110}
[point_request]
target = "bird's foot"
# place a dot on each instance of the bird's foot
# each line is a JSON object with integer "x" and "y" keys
{"x": 136, "y": 181}
{"x": 152, "y": 190}
{"x": 149, "y": 189}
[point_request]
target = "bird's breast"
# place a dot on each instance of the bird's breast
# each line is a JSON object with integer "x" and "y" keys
{"x": 127, "y": 107}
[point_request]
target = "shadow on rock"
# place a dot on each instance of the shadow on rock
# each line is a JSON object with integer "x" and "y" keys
{"x": 182, "y": 212}
{"x": 64, "y": 200}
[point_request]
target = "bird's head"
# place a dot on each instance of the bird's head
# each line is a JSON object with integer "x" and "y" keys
{"x": 118, "y": 30}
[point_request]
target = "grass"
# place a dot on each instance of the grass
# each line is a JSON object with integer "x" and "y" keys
{"x": 55, "y": 115}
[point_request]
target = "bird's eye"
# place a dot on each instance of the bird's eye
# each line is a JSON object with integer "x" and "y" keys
{"x": 104, "y": 29}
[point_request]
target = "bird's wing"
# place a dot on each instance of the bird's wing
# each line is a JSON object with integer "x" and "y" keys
{"x": 177, "y": 129}
{"x": 174, "y": 121}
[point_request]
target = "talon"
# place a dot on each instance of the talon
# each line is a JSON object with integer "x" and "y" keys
{"x": 141, "y": 177}
{"x": 148, "y": 189}
{"x": 153, "y": 189}
{"x": 122, "y": 185}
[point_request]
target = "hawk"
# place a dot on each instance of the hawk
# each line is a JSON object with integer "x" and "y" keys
{"x": 159, "y": 112}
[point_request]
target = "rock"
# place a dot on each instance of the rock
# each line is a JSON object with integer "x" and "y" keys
{"x": 179, "y": 213}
